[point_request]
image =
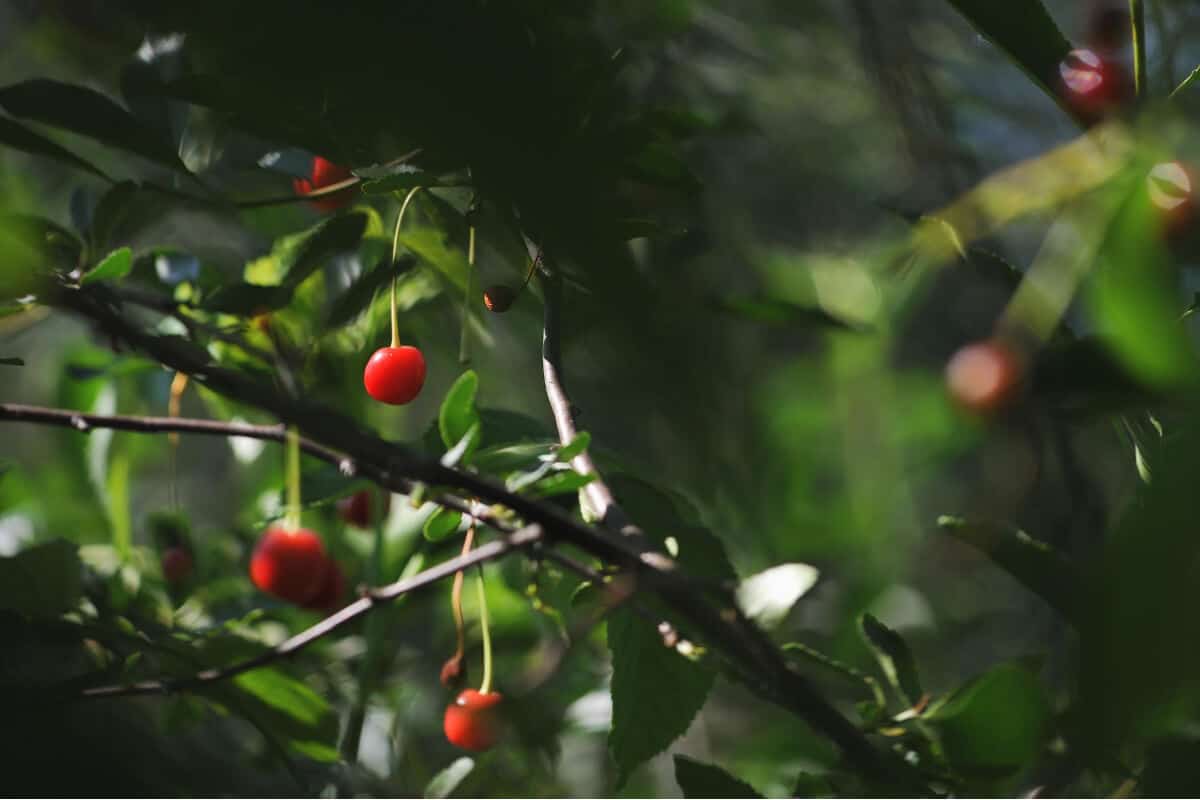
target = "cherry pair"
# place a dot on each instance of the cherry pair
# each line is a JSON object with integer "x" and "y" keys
{"x": 291, "y": 564}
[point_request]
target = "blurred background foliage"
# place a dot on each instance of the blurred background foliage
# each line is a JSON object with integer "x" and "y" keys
{"x": 756, "y": 330}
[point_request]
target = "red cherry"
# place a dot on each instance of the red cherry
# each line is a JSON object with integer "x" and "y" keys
{"x": 472, "y": 721}
{"x": 289, "y": 564}
{"x": 356, "y": 509}
{"x": 1170, "y": 187}
{"x": 1093, "y": 85}
{"x": 395, "y": 375}
{"x": 325, "y": 173}
{"x": 984, "y": 376}
{"x": 176, "y": 564}
{"x": 333, "y": 588}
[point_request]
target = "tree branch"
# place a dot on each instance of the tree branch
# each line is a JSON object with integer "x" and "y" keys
{"x": 755, "y": 658}
{"x": 721, "y": 625}
{"x": 525, "y": 537}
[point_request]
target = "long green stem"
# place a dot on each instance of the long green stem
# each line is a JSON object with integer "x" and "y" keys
{"x": 293, "y": 478}
{"x": 486, "y": 685}
{"x": 1137, "y": 16}
{"x": 395, "y": 249}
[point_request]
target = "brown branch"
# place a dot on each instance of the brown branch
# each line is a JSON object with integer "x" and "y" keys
{"x": 753, "y": 657}
{"x": 720, "y": 623}
{"x": 525, "y": 537}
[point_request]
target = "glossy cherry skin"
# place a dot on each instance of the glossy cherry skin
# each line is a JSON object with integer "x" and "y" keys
{"x": 325, "y": 173}
{"x": 473, "y": 722}
{"x": 1092, "y": 84}
{"x": 289, "y": 564}
{"x": 333, "y": 588}
{"x": 358, "y": 508}
{"x": 1171, "y": 186}
{"x": 984, "y": 377}
{"x": 176, "y": 564}
{"x": 395, "y": 375}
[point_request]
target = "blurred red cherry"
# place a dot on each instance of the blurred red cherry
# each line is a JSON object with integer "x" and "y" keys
{"x": 358, "y": 509}
{"x": 1093, "y": 85}
{"x": 326, "y": 173}
{"x": 332, "y": 591}
{"x": 984, "y": 377}
{"x": 176, "y": 564}
{"x": 1171, "y": 188}
{"x": 289, "y": 564}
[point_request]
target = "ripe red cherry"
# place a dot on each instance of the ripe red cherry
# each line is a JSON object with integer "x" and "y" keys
{"x": 289, "y": 564}
{"x": 472, "y": 721}
{"x": 395, "y": 375}
{"x": 333, "y": 588}
{"x": 325, "y": 173}
{"x": 357, "y": 508}
{"x": 176, "y": 564}
{"x": 1092, "y": 85}
{"x": 984, "y": 376}
{"x": 1170, "y": 187}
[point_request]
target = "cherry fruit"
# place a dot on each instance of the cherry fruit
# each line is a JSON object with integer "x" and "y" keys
{"x": 472, "y": 722}
{"x": 395, "y": 375}
{"x": 359, "y": 508}
{"x": 499, "y": 298}
{"x": 289, "y": 564}
{"x": 1170, "y": 187}
{"x": 325, "y": 173}
{"x": 1092, "y": 84}
{"x": 984, "y": 377}
{"x": 333, "y": 588}
{"x": 176, "y": 564}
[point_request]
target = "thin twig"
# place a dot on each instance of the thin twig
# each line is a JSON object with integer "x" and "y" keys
{"x": 716, "y": 619}
{"x": 371, "y": 599}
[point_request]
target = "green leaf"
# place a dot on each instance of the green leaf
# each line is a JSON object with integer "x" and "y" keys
{"x": 781, "y": 312}
{"x": 114, "y": 266}
{"x": 576, "y": 446}
{"x": 45, "y": 580}
{"x": 88, "y": 113}
{"x": 399, "y": 182}
{"x": 458, "y": 413}
{"x": 656, "y": 692}
{"x": 284, "y": 706}
{"x": 562, "y": 482}
{"x": 996, "y": 724}
{"x": 338, "y": 235}
{"x": 697, "y": 779}
{"x": 894, "y": 657}
{"x": 1134, "y": 297}
{"x": 1025, "y": 31}
{"x": 16, "y": 135}
{"x": 443, "y": 524}
{"x": 431, "y": 246}
{"x": 768, "y": 596}
{"x": 1037, "y": 566}
{"x": 463, "y": 448}
{"x": 358, "y": 295}
{"x": 445, "y": 782}
{"x": 247, "y": 299}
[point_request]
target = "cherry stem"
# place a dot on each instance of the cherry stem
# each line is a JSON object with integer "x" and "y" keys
{"x": 456, "y": 597}
{"x": 395, "y": 248}
{"x": 486, "y": 686}
{"x": 178, "y": 385}
{"x": 293, "y": 478}
{"x": 537, "y": 259}
{"x": 464, "y": 346}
